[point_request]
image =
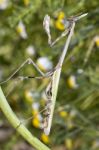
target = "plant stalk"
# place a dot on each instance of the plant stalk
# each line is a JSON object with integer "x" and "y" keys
{"x": 15, "y": 122}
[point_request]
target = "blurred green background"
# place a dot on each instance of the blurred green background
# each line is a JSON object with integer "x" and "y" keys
{"x": 76, "y": 123}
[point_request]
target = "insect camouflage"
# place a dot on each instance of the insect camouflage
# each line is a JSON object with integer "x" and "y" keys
{"x": 54, "y": 74}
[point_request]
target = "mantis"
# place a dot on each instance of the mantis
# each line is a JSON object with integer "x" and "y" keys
{"x": 54, "y": 75}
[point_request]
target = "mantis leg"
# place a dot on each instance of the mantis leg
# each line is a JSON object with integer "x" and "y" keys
{"x": 27, "y": 61}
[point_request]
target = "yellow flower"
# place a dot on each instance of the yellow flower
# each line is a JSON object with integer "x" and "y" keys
{"x": 63, "y": 114}
{"x": 3, "y": 4}
{"x": 45, "y": 138}
{"x": 37, "y": 118}
{"x": 26, "y": 2}
{"x": 28, "y": 96}
{"x": 97, "y": 41}
{"x": 35, "y": 109}
{"x": 69, "y": 143}
{"x": 61, "y": 15}
{"x": 59, "y": 25}
{"x": 59, "y": 22}
{"x": 36, "y": 122}
{"x": 44, "y": 63}
{"x": 21, "y": 30}
{"x": 30, "y": 50}
{"x": 72, "y": 82}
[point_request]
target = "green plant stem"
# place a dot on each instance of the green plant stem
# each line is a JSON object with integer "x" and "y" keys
{"x": 15, "y": 122}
